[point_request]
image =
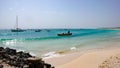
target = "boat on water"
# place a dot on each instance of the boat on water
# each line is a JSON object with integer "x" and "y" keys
{"x": 47, "y": 30}
{"x": 17, "y": 29}
{"x": 37, "y": 30}
{"x": 65, "y": 34}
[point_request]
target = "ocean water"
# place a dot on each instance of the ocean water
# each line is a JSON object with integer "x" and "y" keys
{"x": 46, "y": 42}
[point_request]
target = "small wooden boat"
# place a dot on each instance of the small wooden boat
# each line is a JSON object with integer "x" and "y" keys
{"x": 37, "y": 30}
{"x": 47, "y": 30}
{"x": 65, "y": 34}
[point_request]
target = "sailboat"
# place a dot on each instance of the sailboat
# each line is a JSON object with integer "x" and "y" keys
{"x": 17, "y": 29}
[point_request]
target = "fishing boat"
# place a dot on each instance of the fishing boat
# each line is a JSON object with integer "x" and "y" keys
{"x": 17, "y": 29}
{"x": 65, "y": 34}
{"x": 37, "y": 30}
{"x": 47, "y": 30}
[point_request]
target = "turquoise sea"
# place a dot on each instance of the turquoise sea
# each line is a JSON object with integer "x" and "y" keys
{"x": 47, "y": 42}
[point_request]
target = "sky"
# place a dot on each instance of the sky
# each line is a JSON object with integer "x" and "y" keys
{"x": 59, "y": 13}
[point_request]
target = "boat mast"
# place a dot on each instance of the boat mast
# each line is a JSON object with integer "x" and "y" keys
{"x": 16, "y": 22}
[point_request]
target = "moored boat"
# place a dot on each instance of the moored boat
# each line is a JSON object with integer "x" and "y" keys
{"x": 17, "y": 29}
{"x": 37, "y": 30}
{"x": 65, "y": 34}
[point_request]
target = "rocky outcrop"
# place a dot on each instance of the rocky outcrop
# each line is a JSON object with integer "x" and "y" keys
{"x": 21, "y": 59}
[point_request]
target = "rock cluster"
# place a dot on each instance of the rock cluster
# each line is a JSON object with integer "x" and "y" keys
{"x": 20, "y": 59}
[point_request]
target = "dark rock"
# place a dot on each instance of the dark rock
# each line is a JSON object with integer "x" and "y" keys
{"x": 1, "y": 66}
{"x": 4, "y": 60}
{"x": 10, "y": 51}
{"x": 47, "y": 65}
{"x": 2, "y": 54}
{"x": 21, "y": 59}
{"x": 1, "y": 48}
{"x": 27, "y": 55}
{"x": 23, "y": 55}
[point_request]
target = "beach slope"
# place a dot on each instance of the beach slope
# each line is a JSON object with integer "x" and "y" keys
{"x": 92, "y": 59}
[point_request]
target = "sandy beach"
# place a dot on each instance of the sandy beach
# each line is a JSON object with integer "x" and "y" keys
{"x": 97, "y": 58}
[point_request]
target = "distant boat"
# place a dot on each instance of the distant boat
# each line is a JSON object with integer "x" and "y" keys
{"x": 65, "y": 34}
{"x": 47, "y": 30}
{"x": 37, "y": 30}
{"x": 17, "y": 29}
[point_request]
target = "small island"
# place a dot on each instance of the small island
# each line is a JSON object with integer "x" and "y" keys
{"x": 116, "y": 28}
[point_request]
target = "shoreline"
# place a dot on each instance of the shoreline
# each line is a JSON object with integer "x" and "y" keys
{"x": 84, "y": 59}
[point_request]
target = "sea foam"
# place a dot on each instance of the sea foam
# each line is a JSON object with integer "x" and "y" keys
{"x": 73, "y": 48}
{"x": 50, "y": 55}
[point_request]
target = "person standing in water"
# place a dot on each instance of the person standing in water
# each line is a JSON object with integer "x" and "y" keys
{"x": 68, "y": 32}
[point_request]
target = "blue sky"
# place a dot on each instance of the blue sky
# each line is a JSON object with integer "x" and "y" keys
{"x": 60, "y": 13}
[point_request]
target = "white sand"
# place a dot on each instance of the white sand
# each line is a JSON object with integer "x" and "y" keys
{"x": 89, "y": 59}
